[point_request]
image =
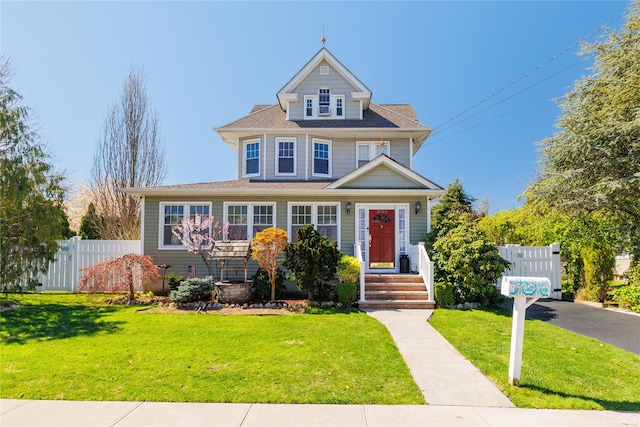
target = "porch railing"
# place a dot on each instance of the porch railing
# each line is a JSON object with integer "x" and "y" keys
{"x": 424, "y": 266}
{"x": 357, "y": 250}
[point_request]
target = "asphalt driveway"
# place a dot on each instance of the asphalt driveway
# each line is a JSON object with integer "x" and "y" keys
{"x": 619, "y": 329}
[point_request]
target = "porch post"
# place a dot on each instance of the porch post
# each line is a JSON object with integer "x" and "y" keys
{"x": 428, "y": 214}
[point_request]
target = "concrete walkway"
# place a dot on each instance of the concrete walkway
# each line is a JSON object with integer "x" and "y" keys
{"x": 444, "y": 376}
{"x": 458, "y": 395}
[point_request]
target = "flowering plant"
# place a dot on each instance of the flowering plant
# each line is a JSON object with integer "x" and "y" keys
{"x": 199, "y": 235}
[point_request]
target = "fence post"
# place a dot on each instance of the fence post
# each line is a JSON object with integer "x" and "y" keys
{"x": 75, "y": 263}
{"x": 556, "y": 283}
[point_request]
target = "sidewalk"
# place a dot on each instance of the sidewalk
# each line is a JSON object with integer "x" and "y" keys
{"x": 457, "y": 393}
{"x": 127, "y": 414}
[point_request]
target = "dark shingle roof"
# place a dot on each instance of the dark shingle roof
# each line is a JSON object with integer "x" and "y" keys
{"x": 399, "y": 116}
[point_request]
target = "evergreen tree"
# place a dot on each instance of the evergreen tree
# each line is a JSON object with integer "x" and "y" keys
{"x": 32, "y": 218}
{"x": 89, "y": 224}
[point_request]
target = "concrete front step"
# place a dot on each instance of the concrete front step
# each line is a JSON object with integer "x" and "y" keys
{"x": 395, "y": 286}
{"x": 395, "y": 291}
{"x": 420, "y": 295}
{"x": 393, "y": 278}
{"x": 396, "y": 304}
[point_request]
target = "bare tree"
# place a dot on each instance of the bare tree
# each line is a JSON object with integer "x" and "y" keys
{"x": 130, "y": 154}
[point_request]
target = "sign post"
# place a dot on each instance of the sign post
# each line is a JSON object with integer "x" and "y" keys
{"x": 524, "y": 291}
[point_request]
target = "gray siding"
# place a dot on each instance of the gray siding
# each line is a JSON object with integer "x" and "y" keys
{"x": 382, "y": 177}
{"x": 338, "y": 86}
{"x": 401, "y": 152}
{"x": 343, "y": 156}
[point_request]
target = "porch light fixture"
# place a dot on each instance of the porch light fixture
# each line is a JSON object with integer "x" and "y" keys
{"x": 348, "y": 206}
{"x": 418, "y": 206}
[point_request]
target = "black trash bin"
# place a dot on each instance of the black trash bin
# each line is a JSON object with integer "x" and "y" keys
{"x": 404, "y": 263}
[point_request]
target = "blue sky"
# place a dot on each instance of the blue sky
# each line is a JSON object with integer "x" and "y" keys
{"x": 208, "y": 63}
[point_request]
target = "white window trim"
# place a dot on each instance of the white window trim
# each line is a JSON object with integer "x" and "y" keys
{"x": 295, "y": 156}
{"x": 334, "y": 106}
{"x": 407, "y": 238}
{"x": 244, "y": 157}
{"x": 372, "y": 148}
{"x": 313, "y": 158}
{"x": 249, "y": 206}
{"x": 161, "y": 224}
{"x": 314, "y": 103}
{"x": 314, "y": 216}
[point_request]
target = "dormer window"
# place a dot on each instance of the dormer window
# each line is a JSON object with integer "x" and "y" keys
{"x": 324, "y": 102}
{"x": 324, "y": 105}
{"x": 309, "y": 107}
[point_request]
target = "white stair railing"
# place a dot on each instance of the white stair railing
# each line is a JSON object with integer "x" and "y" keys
{"x": 357, "y": 250}
{"x": 425, "y": 268}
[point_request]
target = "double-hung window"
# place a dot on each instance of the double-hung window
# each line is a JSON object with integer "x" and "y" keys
{"x": 367, "y": 151}
{"x": 172, "y": 214}
{"x": 339, "y": 107}
{"x": 308, "y": 107}
{"x": 286, "y": 156}
{"x": 324, "y": 102}
{"x": 252, "y": 157}
{"x": 244, "y": 220}
{"x": 321, "y": 158}
{"x": 323, "y": 216}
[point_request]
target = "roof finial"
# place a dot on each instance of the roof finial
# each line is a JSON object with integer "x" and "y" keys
{"x": 382, "y": 141}
{"x": 323, "y": 39}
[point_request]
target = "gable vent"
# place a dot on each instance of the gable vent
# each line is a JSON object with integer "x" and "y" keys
{"x": 324, "y": 69}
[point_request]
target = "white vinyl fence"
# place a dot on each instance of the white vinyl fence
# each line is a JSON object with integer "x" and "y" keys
{"x": 75, "y": 253}
{"x": 535, "y": 261}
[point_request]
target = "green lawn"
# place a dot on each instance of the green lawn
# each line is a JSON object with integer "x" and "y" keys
{"x": 60, "y": 347}
{"x": 560, "y": 369}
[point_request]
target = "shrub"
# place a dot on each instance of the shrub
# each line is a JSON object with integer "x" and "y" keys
{"x": 348, "y": 269}
{"x": 347, "y": 293}
{"x": 261, "y": 284}
{"x": 599, "y": 260}
{"x": 194, "y": 290}
{"x": 312, "y": 260}
{"x": 627, "y": 296}
{"x": 174, "y": 281}
{"x": 465, "y": 258}
{"x": 119, "y": 275}
{"x": 443, "y": 294}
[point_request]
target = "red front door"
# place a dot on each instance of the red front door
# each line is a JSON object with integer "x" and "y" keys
{"x": 382, "y": 242}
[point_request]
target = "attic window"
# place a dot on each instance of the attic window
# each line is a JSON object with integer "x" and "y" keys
{"x": 324, "y": 69}
{"x": 324, "y": 102}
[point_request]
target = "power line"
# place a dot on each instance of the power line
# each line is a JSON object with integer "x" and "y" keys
{"x": 486, "y": 121}
{"x": 436, "y": 132}
{"x": 528, "y": 73}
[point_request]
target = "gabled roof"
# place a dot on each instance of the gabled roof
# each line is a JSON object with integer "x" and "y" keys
{"x": 384, "y": 161}
{"x": 387, "y": 117}
{"x": 361, "y": 92}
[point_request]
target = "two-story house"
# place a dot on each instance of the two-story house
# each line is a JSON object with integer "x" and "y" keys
{"x": 324, "y": 154}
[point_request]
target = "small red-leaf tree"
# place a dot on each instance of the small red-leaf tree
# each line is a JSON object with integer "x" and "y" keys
{"x": 265, "y": 249}
{"x": 199, "y": 235}
{"x": 118, "y": 275}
